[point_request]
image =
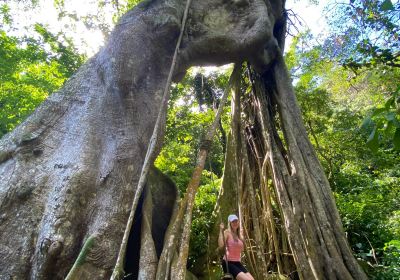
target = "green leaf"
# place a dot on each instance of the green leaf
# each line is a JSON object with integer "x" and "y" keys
{"x": 389, "y": 126}
{"x": 395, "y": 243}
{"x": 396, "y": 139}
{"x": 390, "y": 116}
{"x": 387, "y": 5}
{"x": 378, "y": 111}
{"x": 373, "y": 140}
{"x": 389, "y": 103}
{"x": 367, "y": 122}
{"x": 396, "y": 123}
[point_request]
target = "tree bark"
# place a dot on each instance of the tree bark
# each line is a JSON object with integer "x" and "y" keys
{"x": 70, "y": 171}
{"x": 312, "y": 222}
{"x": 148, "y": 257}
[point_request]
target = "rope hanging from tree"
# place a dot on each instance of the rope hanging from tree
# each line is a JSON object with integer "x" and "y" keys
{"x": 154, "y": 141}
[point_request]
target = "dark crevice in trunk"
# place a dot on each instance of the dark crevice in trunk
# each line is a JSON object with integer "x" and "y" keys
{"x": 160, "y": 224}
{"x": 164, "y": 196}
{"x": 133, "y": 248}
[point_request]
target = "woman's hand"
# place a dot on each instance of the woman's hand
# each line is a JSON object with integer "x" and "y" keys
{"x": 221, "y": 241}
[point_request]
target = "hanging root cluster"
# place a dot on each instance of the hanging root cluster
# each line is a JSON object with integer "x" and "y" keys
{"x": 246, "y": 168}
{"x": 289, "y": 219}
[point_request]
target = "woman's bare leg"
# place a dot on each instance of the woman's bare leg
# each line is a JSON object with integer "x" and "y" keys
{"x": 249, "y": 276}
{"x": 243, "y": 276}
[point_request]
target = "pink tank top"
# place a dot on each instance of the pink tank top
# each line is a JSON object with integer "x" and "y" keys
{"x": 233, "y": 249}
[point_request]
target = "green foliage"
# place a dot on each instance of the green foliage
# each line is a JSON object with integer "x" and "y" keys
{"x": 191, "y": 112}
{"x": 61, "y": 51}
{"x": 202, "y": 222}
{"x": 30, "y": 70}
{"x": 129, "y": 4}
{"x": 384, "y": 121}
{"x": 365, "y": 37}
{"x": 366, "y": 208}
{"x": 102, "y": 16}
{"x": 365, "y": 181}
{"x": 390, "y": 267}
{"x": 187, "y": 122}
{"x": 392, "y": 250}
{"x": 360, "y": 154}
{"x": 365, "y": 33}
{"x": 5, "y": 16}
{"x": 185, "y": 129}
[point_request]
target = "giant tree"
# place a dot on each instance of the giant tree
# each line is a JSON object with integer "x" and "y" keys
{"x": 70, "y": 172}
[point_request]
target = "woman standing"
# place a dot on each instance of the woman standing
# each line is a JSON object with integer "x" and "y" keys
{"x": 233, "y": 243}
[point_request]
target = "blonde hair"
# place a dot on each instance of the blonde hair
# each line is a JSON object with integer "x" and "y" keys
{"x": 237, "y": 230}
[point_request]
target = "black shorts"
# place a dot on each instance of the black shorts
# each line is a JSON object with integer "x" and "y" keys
{"x": 234, "y": 267}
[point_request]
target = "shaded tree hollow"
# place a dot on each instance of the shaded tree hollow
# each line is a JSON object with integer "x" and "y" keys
{"x": 133, "y": 248}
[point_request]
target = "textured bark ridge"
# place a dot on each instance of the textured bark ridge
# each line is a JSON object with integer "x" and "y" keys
{"x": 69, "y": 173}
{"x": 312, "y": 223}
{"x": 70, "y": 170}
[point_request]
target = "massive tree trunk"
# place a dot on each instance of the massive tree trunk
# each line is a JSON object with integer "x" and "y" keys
{"x": 70, "y": 170}
{"x": 69, "y": 173}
